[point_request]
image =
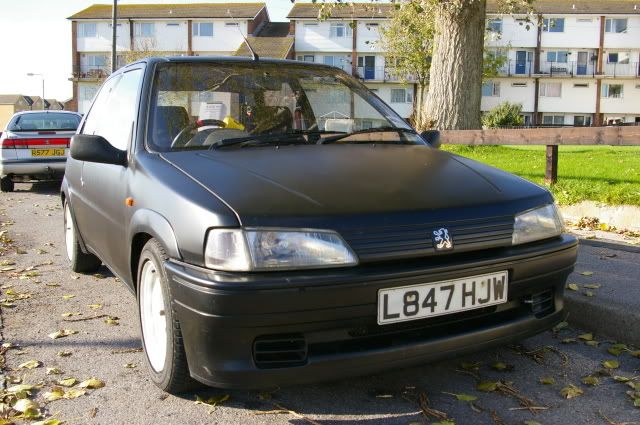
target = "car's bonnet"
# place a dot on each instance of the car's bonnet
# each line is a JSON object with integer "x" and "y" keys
{"x": 266, "y": 185}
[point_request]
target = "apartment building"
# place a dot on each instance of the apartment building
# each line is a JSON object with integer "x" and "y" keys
{"x": 577, "y": 64}
{"x": 349, "y": 40}
{"x": 165, "y": 29}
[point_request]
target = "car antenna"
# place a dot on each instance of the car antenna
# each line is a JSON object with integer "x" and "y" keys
{"x": 254, "y": 55}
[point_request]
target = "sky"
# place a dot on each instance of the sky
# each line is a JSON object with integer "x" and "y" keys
{"x": 35, "y": 37}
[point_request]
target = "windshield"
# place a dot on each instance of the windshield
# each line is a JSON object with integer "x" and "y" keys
{"x": 44, "y": 121}
{"x": 213, "y": 105}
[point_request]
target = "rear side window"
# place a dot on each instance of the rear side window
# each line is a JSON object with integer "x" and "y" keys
{"x": 113, "y": 112}
{"x": 44, "y": 121}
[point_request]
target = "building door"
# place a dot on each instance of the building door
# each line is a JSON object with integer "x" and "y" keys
{"x": 521, "y": 62}
{"x": 583, "y": 60}
{"x": 369, "y": 67}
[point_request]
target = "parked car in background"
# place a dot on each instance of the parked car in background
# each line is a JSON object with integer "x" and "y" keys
{"x": 34, "y": 146}
{"x": 280, "y": 224}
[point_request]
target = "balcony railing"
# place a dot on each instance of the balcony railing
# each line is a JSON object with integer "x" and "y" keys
{"x": 568, "y": 69}
{"x": 94, "y": 71}
{"x": 515, "y": 68}
{"x": 631, "y": 69}
{"x": 381, "y": 73}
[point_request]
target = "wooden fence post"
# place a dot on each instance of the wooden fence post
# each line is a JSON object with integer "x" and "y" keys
{"x": 551, "y": 171}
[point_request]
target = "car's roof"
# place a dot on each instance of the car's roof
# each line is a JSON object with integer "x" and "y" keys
{"x": 230, "y": 59}
{"x": 46, "y": 111}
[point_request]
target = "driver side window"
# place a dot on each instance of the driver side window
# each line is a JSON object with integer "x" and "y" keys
{"x": 114, "y": 110}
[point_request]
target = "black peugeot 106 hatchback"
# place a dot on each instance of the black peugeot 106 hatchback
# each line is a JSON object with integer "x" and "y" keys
{"x": 280, "y": 224}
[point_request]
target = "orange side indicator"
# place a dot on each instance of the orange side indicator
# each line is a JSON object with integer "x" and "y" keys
{"x": 128, "y": 202}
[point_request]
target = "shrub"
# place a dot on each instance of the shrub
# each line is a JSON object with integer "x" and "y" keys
{"x": 504, "y": 115}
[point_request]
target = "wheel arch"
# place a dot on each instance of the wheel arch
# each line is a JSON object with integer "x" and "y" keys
{"x": 145, "y": 225}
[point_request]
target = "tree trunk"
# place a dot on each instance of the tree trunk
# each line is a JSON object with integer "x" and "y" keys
{"x": 455, "y": 87}
{"x": 418, "y": 110}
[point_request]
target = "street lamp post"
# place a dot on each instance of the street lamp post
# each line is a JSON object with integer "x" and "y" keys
{"x": 32, "y": 74}
{"x": 114, "y": 35}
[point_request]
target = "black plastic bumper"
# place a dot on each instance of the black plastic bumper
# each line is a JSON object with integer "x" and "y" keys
{"x": 324, "y": 322}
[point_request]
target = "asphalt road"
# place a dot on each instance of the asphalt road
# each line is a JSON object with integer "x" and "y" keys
{"x": 32, "y": 218}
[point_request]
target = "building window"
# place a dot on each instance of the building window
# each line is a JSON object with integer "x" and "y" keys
{"x": 553, "y": 25}
{"x": 582, "y": 121}
{"x": 615, "y": 26}
{"x": 518, "y": 84}
{"x": 581, "y": 85}
{"x": 173, "y": 24}
{"x": 551, "y": 89}
{"x": 232, "y": 24}
{"x": 491, "y": 89}
{"x": 372, "y": 26}
{"x": 329, "y": 60}
{"x": 144, "y": 29}
{"x": 612, "y": 91}
{"x": 308, "y": 58}
{"x": 494, "y": 25}
{"x": 559, "y": 57}
{"x": 400, "y": 96}
{"x": 203, "y": 29}
{"x": 339, "y": 30}
{"x": 618, "y": 57}
{"x": 553, "y": 120}
{"x": 88, "y": 92}
{"x": 87, "y": 30}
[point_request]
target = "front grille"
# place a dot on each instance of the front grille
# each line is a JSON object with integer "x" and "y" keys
{"x": 273, "y": 351}
{"x": 392, "y": 242}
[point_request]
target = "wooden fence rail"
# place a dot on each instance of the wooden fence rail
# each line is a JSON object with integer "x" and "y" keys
{"x": 549, "y": 137}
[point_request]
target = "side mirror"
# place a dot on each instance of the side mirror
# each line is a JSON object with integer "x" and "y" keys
{"x": 86, "y": 147}
{"x": 432, "y": 137}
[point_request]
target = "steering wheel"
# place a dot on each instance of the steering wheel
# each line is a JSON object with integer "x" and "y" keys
{"x": 192, "y": 126}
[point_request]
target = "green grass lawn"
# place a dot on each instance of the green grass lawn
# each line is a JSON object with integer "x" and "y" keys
{"x": 598, "y": 173}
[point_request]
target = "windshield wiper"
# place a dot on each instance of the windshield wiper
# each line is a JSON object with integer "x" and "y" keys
{"x": 263, "y": 140}
{"x": 387, "y": 129}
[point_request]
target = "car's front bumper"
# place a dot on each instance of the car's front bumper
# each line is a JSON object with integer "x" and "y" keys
{"x": 36, "y": 168}
{"x": 321, "y": 325}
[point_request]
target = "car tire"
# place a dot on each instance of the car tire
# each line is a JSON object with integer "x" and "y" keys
{"x": 6, "y": 184}
{"x": 80, "y": 262}
{"x": 160, "y": 330}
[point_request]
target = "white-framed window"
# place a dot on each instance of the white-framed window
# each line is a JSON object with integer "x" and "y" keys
{"x": 550, "y": 89}
{"x": 613, "y": 91}
{"x": 144, "y": 29}
{"x": 308, "y": 58}
{"x": 558, "y": 57}
{"x": 491, "y": 89}
{"x": 339, "y": 30}
{"x": 553, "y": 25}
{"x": 203, "y": 29}
{"x": 401, "y": 96}
{"x": 494, "y": 25}
{"x": 618, "y": 57}
{"x": 553, "y": 119}
{"x": 87, "y": 29}
{"x": 616, "y": 25}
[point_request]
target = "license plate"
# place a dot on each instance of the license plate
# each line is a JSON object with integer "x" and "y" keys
{"x": 47, "y": 152}
{"x": 439, "y": 298}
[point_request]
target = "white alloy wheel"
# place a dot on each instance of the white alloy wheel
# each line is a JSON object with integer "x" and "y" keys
{"x": 69, "y": 232}
{"x": 152, "y": 315}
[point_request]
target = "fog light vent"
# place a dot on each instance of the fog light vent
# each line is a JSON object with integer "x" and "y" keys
{"x": 274, "y": 351}
{"x": 541, "y": 303}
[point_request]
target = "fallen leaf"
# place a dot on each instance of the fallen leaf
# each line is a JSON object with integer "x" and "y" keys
{"x": 212, "y": 401}
{"x": 53, "y": 285}
{"x": 31, "y": 364}
{"x": 62, "y": 333}
{"x": 590, "y": 380}
{"x": 500, "y": 366}
{"x": 463, "y": 397}
{"x": 113, "y": 321}
{"x": 99, "y": 276}
{"x": 63, "y": 353}
{"x": 487, "y": 386}
{"x": 71, "y": 314}
{"x": 91, "y": 384}
{"x": 560, "y": 326}
{"x": 73, "y": 393}
{"x": 592, "y": 286}
{"x": 573, "y": 287}
{"x": 532, "y": 423}
{"x": 592, "y": 343}
{"x": 571, "y": 391}
{"x": 586, "y": 337}
{"x": 610, "y": 364}
{"x": 569, "y": 340}
{"x": 586, "y": 273}
{"x": 67, "y": 382}
{"x": 56, "y": 393}
{"x": 54, "y": 371}
{"x": 619, "y": 378}
{"x": 95, "y": 306}
{"x": 130, "y": 365}
{"x": 588, "y": 294}
{"x": 21, "y": 388}
{"x": 25, "y": 405}
{"x": 47, "y": 422}
{"x": 547, "y": 380}
{"x": 68, "y": 297}
{"x": 470, "y": 365}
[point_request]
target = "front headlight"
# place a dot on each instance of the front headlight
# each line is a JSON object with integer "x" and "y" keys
{"x": 541, "y": 223}
{"x": 264, "y": 249}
